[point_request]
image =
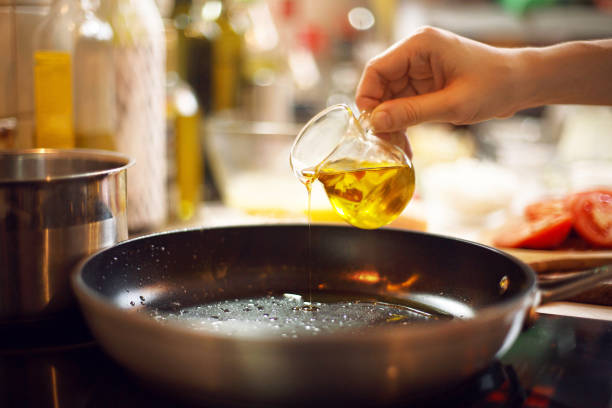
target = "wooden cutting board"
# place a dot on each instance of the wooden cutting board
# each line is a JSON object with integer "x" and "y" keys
{"x": 567, "y": 261}
{"x": 561, "y": 260}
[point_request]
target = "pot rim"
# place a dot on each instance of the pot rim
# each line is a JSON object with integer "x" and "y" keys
{"x": 122, "y": 163}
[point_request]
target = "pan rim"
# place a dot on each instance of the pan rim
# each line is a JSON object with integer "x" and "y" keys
{"x": 517, "y": 303}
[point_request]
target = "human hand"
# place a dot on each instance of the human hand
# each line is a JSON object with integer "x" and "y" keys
{"x": 435, "y": 75}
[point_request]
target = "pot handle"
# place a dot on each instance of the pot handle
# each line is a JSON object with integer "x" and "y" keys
{"x": 553, "y": 287}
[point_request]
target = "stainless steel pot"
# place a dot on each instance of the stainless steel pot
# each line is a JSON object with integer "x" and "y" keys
{"x": 56, "y": 206}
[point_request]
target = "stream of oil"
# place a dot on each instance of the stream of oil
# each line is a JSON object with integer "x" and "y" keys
{"x": 367, "y": 196}
{"x": 289, "y": 315}
{"x": 309, "y": 307}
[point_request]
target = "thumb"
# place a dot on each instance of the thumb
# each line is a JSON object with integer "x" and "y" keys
{"x": 398, "y": 114}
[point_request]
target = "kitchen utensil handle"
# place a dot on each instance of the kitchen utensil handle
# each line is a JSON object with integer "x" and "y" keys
{"x": 553, "y": 288}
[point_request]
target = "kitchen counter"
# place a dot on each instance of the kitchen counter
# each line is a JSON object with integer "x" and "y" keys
{"x": 558, "y": 362}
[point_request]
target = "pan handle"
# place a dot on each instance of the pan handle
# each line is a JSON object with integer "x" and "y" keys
{"x": 553, "y": 288}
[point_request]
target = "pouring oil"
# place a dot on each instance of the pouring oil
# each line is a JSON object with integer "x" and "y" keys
{"x": 309, "y": 307}
{"x": 365, "y": 194}
{"x": 283, "y": 315}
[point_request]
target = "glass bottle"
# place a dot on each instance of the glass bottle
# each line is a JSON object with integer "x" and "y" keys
{"x": 95, "y": 122}
{"x": 226, "y": 57}
{"x": 139, "y": 65}
{"x": 197, "y": 53}
{"x": 214, "y": 50}
{"x": 268, "y": 87}
{"x": 184, "y": 147}
{"x": 53, "y": 44}
{"x": 180, "y": 20}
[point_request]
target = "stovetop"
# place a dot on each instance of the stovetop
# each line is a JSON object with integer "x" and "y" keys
{"x": 559, "y": 362}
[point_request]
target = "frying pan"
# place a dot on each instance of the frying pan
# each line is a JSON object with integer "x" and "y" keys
{"x": 483, "y": 294}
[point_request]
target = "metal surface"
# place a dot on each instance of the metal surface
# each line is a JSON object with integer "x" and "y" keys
{"x": 56, "y": 207}
{"x": 385, "y": 364}
{"x": 563, "y": 287}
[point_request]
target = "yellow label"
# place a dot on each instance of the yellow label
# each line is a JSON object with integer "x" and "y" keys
{"x": 53, "y": 99}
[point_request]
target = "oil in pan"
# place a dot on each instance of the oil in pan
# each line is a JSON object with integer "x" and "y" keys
{"x": 288, "y": 315}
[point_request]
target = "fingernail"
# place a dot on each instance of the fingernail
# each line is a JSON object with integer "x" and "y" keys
{"x": 381, "y": 121}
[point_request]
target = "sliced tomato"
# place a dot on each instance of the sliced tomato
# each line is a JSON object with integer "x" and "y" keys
{"x": 546, "y": 208}
{"x": 546, "y": 232}
{"x": 571, "y": 198}
{"x": 592, "y": 214}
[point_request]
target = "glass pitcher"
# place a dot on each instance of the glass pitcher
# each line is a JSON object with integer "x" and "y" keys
{"x": 368, "y": 180}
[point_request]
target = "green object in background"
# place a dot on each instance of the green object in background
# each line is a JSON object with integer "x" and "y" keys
{"x": 522, "y": 6}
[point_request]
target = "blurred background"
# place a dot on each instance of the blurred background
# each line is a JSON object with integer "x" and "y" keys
{"x": 208, "y": 96}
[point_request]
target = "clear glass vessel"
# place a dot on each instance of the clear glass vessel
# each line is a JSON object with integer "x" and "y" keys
{"x": 95, "y": 105}
{"x": 368, "y": 180}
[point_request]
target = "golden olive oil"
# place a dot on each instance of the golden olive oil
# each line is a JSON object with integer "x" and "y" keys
{"x": 189, "y": 172}
{"x": 53, "y": 99}
{"x": 309, "y": 307}
{"x": 365, "y": 194}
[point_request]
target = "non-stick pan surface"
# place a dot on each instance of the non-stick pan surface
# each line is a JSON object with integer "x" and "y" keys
{"x": 485, "y": 292}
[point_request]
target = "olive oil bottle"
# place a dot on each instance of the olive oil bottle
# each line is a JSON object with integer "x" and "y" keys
{"x": 184, "y": 148}
{"x": 226, "y": 53}
{"x": 214, "y": 50}
{"x": 53, "y": 44}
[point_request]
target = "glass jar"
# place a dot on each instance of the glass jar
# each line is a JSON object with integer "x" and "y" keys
{"x": 368, "y": 180}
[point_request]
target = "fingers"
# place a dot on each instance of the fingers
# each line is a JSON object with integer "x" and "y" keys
{"x": 370, "y": 91}
{"x": 436, "y": 76}
{"x": 398, "y": 114}
{"x": 407, "y": 68}
{"x": 380, "y": 78}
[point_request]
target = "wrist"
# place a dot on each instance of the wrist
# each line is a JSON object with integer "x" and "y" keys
{"x": 570, "y": 73}
{"x": 531, "y": 86}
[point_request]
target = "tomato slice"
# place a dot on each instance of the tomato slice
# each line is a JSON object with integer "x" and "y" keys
{"x": 571, "y": 198}
{"x": 546, "y": 208}
{"x": 546, "y": 232}
{"x": 592, "y": 214}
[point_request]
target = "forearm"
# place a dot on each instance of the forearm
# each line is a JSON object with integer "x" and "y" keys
{"x": 577, "y": 72}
